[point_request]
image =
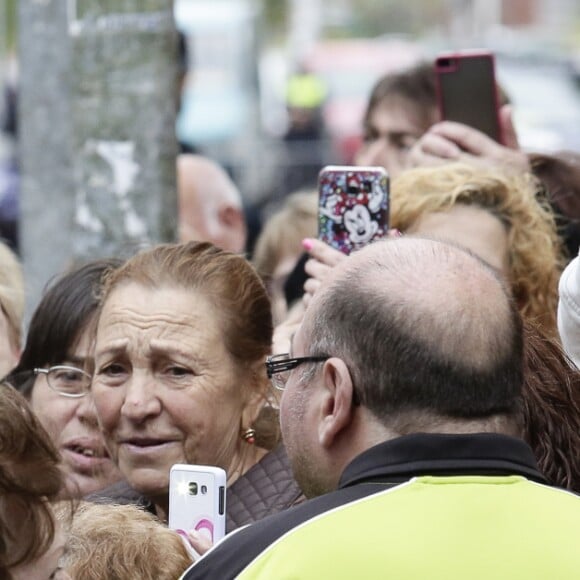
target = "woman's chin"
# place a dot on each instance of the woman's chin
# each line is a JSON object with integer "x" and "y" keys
{"x": 79, "y": 485}
{"x": 150, "y": 483}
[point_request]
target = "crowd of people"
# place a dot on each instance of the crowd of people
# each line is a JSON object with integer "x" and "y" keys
{"x": 411, "y": 410}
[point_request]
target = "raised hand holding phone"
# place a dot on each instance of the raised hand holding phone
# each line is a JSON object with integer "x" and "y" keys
{"x": 475, "y": 128}
{"x": 448, "y": 141}
{"x": 323, "y": 258}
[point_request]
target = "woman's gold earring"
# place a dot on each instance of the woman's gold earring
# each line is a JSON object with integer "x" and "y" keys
{"x": 249, "y": 436}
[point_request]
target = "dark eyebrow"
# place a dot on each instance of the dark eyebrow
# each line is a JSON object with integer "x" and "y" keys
{"x": 112, "y": 350}
{"x": 402, "y": 134}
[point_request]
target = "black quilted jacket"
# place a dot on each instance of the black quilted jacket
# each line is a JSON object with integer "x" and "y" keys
{"x": 267, "y": 488}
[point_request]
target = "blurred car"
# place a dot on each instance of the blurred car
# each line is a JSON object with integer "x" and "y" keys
{"x": 349, "y": 69}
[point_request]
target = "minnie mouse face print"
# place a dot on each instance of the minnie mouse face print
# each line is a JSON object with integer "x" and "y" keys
{"x": 353, "y": 206}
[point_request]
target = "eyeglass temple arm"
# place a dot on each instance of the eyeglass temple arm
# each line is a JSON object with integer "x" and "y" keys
{"x": 273, "y": 367}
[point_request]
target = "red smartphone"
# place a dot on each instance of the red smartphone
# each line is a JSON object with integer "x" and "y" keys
{"x": 467, "y": 91}
{"x": 353, "y": 206}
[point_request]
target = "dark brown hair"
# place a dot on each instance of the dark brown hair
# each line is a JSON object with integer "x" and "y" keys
{"x": 414, "y": 86}
{"x": 551, "y": 409}
{"x": 62, "y": 315}
{"x": 560, "y": 174}
{"x": 30, "y": 479}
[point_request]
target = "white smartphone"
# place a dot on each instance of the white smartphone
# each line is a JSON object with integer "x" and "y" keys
{"x": 197, "y": 500}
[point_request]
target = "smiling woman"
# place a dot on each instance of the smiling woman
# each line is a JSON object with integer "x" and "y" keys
{"x": 54, "y": 375}
{"x": 182, "y": 339}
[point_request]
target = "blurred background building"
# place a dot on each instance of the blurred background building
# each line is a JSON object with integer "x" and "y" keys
{"x": 276, "y": 88}
{"x": 246, "y": 52}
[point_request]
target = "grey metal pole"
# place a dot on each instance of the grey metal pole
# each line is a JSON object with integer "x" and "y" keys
{"x": 98, "y": 86}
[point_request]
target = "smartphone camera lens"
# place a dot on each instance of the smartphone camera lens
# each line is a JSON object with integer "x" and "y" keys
{"x": 445, "y": 64}
{"x": 193, "y": 488}
{"x": 203, "y": 489}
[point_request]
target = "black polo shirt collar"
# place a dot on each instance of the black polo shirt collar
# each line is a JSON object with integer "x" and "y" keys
{"x": 441, "y": 454}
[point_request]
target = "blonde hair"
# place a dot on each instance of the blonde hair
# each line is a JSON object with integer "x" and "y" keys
{"x": 12, "y": 293}
{"x": 535, "y": 253}
{"x": 284, "y": 231}
{"x": 117, "y": 542}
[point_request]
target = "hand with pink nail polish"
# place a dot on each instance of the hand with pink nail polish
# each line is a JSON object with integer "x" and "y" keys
{"x": 323, "y": 259}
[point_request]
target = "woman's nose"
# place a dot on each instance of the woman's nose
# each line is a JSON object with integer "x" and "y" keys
{"x": 86, "y": 411}
{"x": 141, "y": 398}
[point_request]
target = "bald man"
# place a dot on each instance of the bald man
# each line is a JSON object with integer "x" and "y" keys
{"x": 400, "y": 415}
{"x": 210, "y": 205}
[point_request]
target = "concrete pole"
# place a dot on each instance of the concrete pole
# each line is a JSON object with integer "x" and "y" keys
{"x": 98, "y": 85}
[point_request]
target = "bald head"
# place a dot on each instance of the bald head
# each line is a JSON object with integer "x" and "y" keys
{"x": 423, "y": 326}
{"x": 210, "y": 205}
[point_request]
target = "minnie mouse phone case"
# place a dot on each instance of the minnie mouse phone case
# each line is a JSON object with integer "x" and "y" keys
{"x": 353, "y": 206}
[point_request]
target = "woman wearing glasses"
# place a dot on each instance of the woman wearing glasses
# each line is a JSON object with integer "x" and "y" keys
{"x": 54, "y": 375}
{"x": 182, "y": 339}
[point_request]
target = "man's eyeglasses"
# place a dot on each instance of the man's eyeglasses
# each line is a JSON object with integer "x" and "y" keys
{"x": 279, "y": 366}
{"x": 66, "y": 381}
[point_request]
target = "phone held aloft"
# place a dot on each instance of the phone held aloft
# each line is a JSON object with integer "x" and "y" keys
{"x": 467, "y": 91}
{"x": 353, "y": 206}
{"x": 197, "y": 500}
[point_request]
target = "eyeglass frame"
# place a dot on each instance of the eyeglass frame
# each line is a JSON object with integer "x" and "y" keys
{"x": 42, "y": 371}
{"x": 274, "y": 367}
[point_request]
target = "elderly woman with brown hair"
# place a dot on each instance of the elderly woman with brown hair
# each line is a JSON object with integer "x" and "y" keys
{"x": 31, "y": 541}
{"x": 182, "y": 337}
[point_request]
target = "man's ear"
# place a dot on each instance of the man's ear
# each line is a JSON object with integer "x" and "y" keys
{"x": 230, "y": 216}
{"x": 337, "y": 401}
{"x": 232, "y": 222}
